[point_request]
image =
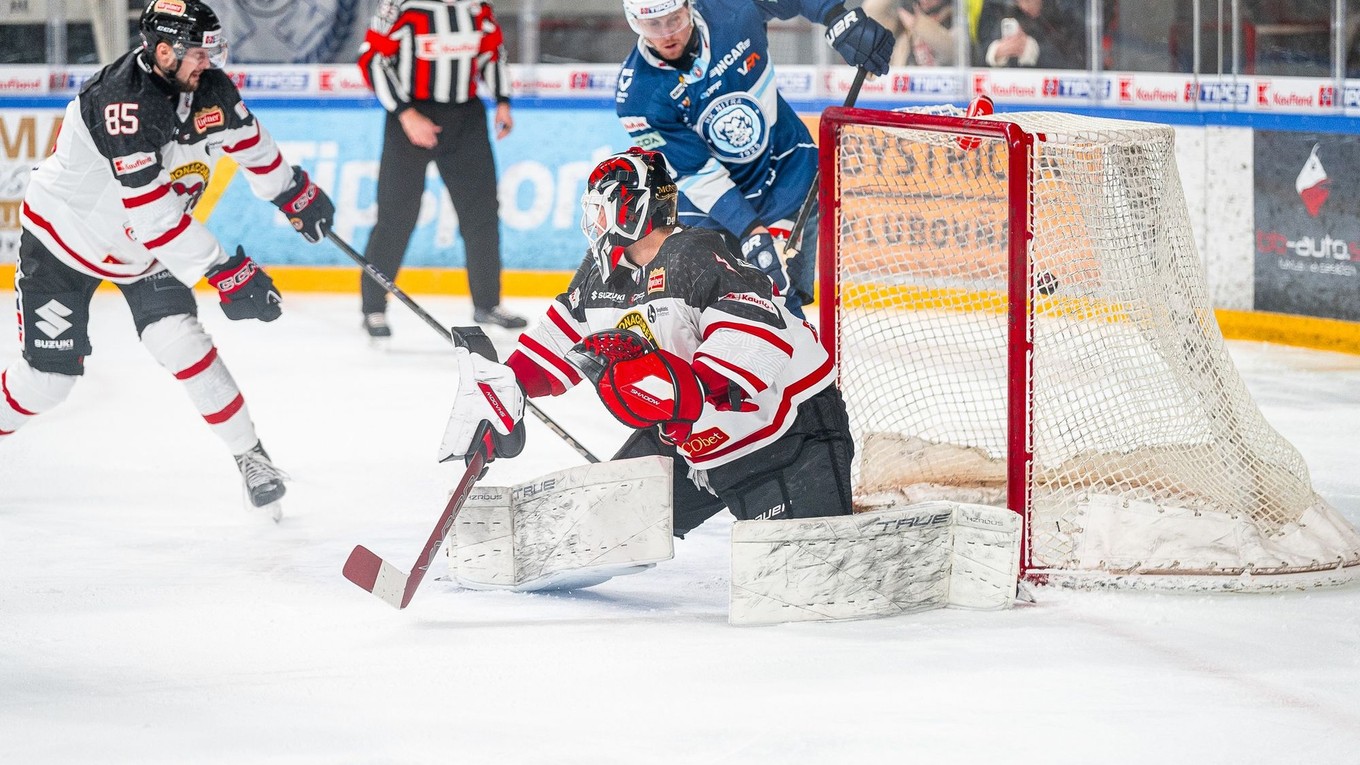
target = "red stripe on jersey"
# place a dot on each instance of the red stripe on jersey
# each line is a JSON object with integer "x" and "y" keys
{"x": 246, "y": 143}
{"x": 165, "y": 238}
{"x": 563, "y": 324}
{"x": 379, "y": 44}
{"x": 755, "y": 383}
{"x": 147, "y": 198}
{"x": 4, "y": 386}
{"x": 754, "y": 330}
{"x": 531, "y": 376}
{"x": 41, "y": 222}
{"x": 420, "y": 82}
{"x": 781, "y": 414}
{"x": 220, "y": 417}
{"x": 197, "y": 366}
{"x": 278, "y": 160}
{"x": 561, "y": 365}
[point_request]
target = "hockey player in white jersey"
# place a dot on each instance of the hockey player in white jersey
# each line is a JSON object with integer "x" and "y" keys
{"x": 114, "y": 202}
{"x": 685, "y": 342}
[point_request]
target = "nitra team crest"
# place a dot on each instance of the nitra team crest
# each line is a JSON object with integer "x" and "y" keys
{"x": 735, "y": 127}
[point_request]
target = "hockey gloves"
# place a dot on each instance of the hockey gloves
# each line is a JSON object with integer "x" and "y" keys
{"x": 759, "y": 251}
{"x": 306, "y": 206}
{"x": 639, "y": 384}
{"x": 245, "y": 289}
{"x": 860, "y": 40}
{"x": 487, "y": 391}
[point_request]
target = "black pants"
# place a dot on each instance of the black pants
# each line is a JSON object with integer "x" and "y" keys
{"x": 805, "y": 474}
{"x": 54, "y": 307}
{"x": 463, "y": 158}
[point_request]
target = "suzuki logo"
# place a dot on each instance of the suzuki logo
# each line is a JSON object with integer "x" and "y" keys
{"x": 53, "y": 319}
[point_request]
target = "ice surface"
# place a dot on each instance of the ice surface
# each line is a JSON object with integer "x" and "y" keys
{"x": 147, "y": 617}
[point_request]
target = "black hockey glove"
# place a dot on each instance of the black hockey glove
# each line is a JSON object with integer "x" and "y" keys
{"x": 246, "y": 290}
{"x": 306, "y": 206}
{"x": 860, "y": 40}
{"x": 759, "y": 250}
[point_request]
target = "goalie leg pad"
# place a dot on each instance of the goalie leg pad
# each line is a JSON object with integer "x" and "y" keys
{"x": 565, "y": 530}
{"x": 882, "y": 563}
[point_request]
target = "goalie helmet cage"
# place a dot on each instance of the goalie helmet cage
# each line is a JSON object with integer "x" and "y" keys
{"x": 1020, "y": 318}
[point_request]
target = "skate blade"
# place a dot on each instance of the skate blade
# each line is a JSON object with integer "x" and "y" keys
{"x": 274, "y": 510}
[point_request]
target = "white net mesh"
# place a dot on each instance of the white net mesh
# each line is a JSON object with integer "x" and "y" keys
{"x": 1149, "y": 456}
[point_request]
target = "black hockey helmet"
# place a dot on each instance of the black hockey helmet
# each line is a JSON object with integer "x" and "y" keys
{"x": 628, "y": 196}
{"x": 183, "y": 24}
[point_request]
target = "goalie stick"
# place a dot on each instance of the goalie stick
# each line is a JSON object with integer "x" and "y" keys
{"x": 366, "y": 569}
{"x": 452, "y": 337}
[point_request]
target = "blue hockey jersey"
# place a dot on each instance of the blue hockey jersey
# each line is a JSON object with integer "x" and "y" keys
{"x": 740, "y": 153}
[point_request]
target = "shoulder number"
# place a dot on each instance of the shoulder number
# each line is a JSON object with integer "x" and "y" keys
{"x": 120, "y": 119}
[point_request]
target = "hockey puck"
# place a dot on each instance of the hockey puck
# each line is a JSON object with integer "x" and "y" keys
{"x": 1045, "y": 283}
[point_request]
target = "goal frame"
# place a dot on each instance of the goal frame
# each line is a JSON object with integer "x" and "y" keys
{"x": 1019, "y": 316}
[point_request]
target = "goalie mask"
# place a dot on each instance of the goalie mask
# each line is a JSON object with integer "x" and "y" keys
{"x": 183, "y": 24}
{"x": 628, "y": 196}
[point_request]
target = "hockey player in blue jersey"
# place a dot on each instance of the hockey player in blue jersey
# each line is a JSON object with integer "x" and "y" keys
{"x": 699, "y": 88}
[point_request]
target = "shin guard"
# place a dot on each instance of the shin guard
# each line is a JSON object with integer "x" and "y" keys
{"x": 180, "y": 344}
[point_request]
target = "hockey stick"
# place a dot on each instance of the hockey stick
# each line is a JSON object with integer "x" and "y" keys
{"x": 395, "y": 291}
{"x": 366, "y": 569}
{"x": 794, "y": 245}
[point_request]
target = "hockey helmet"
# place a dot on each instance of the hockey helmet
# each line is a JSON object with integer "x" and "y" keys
{"x": 183, "y": 24}
{"x": 629, "y": 195}
{"x": 657, "y": 18}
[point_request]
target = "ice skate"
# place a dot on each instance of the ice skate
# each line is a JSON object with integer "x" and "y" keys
{"x": 263, "y": 482}
{"x": 379, "y": 331}
{"x": 499, "y": 317}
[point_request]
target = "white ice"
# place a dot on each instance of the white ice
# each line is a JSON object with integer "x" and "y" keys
{"x": 147, "y": 617}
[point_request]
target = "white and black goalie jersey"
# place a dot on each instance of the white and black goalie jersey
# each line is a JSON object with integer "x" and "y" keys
{"x": 706, "y": 306}
{"x": 115, "y": 199}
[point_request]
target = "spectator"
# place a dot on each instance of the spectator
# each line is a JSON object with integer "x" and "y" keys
{"x": 434, "y": 114}
{"x": 923, "y": 30}
{"x": 1047, "y": 34}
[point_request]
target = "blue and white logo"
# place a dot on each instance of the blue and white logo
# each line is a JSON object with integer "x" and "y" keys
{"x": 735, "y": 127}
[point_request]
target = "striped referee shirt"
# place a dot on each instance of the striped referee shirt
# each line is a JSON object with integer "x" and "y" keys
{"x": 433, "y": 50}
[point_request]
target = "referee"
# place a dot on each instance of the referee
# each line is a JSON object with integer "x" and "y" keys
{"x": 424, "y": 60}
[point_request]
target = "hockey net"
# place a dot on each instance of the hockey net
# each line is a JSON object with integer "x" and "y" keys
{"x": 1021, "y": 319}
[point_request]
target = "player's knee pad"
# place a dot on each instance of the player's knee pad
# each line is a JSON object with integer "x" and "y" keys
{"x": 26, "y": 391}
{"x": 177, "y": 342}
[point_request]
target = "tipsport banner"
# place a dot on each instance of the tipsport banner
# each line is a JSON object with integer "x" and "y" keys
{"x": 1308, "y": 224}
{"x": 542, "y": 167}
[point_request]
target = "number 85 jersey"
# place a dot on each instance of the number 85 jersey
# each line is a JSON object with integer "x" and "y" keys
{"x": 114, "y": 200}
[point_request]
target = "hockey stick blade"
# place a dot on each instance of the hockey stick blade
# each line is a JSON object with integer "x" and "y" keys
{"x": 391, "y": 584}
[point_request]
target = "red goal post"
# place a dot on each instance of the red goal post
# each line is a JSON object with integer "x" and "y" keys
{"x": 1020, "y": 318}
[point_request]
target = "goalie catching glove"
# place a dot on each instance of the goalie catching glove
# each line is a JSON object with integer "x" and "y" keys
{"x": 245, "y": 290}
{"x": 487, "y": 391}
{"x": 306, "y": 206}
{"x": 640, "y": 384}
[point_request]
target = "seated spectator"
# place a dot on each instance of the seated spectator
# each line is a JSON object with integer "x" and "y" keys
{"x": 1048, "y": 34}
{"x": 922, "y": 28}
